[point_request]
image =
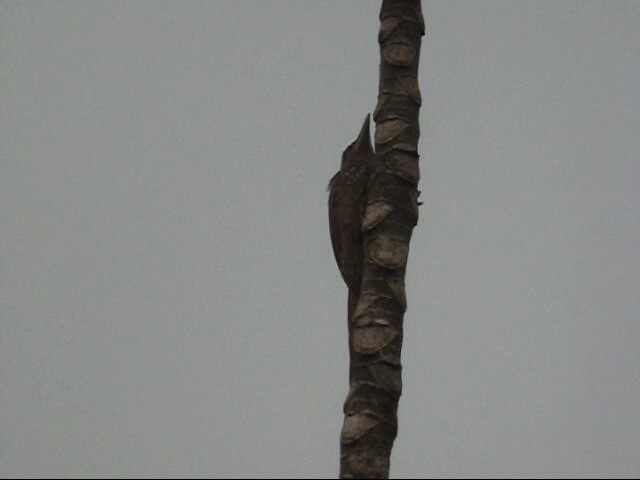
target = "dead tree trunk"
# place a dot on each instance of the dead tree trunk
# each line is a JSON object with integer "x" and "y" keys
{"x": 370, "y": 422}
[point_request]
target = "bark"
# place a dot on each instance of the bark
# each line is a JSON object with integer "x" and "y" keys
{"x": 370, "y": 422}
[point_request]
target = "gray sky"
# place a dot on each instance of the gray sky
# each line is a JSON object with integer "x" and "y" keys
{"x": 169, "y": 300}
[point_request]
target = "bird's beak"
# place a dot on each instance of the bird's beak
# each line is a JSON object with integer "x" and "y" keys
{"x": 363, "y": 142}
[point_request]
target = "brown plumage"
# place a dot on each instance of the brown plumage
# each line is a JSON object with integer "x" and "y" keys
{"x": 346, "y": 210}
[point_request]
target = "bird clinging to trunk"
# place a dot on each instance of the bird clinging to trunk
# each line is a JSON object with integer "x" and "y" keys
{"x": 347, "y": 204}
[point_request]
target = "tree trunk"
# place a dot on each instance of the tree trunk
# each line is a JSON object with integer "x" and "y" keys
{"x": 370, "y": 422}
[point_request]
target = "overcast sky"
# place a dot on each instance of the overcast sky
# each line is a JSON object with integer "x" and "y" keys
{"x": 170, "y": 304}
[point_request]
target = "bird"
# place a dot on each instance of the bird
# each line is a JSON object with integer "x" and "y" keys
{"x": 347, "y": 203}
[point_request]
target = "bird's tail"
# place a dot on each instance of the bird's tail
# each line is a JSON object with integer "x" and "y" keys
{"x": 351, "y": 308}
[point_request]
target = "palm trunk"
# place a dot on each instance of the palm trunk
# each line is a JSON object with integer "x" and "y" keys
{"x": 370, "y": 422}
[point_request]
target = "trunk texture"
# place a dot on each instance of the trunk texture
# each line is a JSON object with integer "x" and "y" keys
{"x": 370, "y": 422}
